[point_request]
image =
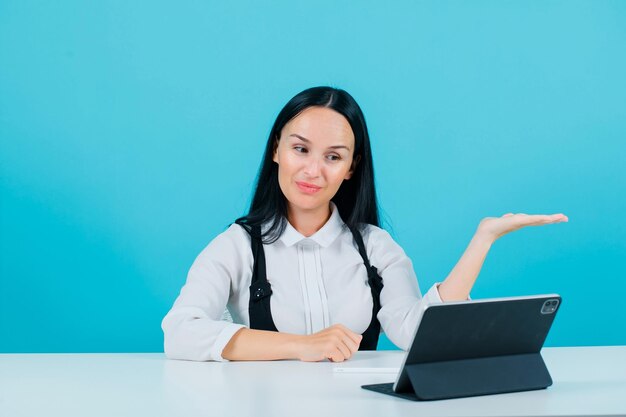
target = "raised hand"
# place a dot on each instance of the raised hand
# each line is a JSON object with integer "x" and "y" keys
{"x": 496, "y": 227}
{"x": 461, "y": 279}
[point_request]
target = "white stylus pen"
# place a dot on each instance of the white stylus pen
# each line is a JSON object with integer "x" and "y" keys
{"x": 367, "y": 370}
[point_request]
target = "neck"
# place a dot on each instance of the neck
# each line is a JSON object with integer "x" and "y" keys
{"x": 307, "y": 222}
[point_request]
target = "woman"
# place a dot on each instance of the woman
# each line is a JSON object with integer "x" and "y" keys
{"x": 308, "y": 273}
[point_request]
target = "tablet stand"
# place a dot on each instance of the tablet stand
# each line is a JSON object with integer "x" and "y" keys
{"x": 470, "y": 348}
{"x": 478, "y": 376}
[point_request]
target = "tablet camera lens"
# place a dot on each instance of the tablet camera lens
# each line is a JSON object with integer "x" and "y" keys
{"x": 549, "y": 306}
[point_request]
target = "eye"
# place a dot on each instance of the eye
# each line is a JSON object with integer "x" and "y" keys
{"x": 333, "y": 157}
{"x": 300, "y": 149}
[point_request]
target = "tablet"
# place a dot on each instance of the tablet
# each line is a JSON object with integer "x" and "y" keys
{"x": 476, "y": 347}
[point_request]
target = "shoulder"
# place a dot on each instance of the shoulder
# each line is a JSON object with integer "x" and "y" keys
{"x": 233, "y": 244}
{"x": 375, "y": 236}
{"x": 380, "y": 245}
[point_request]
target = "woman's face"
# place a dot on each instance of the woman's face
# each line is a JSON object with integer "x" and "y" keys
{"x": 314, "y": 156}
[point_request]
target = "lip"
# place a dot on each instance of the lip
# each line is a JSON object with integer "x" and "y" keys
{"x": 307, "y": 188}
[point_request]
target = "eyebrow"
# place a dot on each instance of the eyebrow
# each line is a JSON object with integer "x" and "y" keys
{"x": 303, "y": 139}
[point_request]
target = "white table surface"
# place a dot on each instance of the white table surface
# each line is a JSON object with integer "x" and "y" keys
{"x": 587, "y": 381}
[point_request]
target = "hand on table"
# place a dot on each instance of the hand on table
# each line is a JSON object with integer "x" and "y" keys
{"x": 336, "y": 343}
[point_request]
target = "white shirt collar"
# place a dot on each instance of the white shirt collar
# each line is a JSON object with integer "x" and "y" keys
{"x": 323, "y": 237}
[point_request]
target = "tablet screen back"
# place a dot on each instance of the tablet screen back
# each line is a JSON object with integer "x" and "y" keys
{"x": 479, "y": 329}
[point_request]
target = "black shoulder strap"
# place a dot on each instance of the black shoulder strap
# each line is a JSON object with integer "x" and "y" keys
{"x": 260, "y": 288}
{"x": 374, "y": 280}
{"x": 371, "y": 334}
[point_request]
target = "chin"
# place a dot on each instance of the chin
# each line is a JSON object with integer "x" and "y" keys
{"x": 306, "y": 205}
{"x": 308, "y": 202}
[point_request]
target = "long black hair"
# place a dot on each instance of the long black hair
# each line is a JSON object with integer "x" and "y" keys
{"x": 356, "y": 197}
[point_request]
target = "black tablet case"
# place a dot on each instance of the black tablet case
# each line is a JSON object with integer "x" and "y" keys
{"x": 476, "y": 348}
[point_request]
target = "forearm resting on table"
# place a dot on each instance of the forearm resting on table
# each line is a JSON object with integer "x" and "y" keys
{"x": 260, "y": 345}
{"x": 459, "y": 283}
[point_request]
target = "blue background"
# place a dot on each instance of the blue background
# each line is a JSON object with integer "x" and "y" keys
{"x": 131, "y": 133}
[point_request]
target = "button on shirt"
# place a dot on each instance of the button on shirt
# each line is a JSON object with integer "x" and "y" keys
{"x": 317, "y": 281}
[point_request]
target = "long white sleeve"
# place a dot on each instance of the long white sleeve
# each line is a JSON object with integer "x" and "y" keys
{"x": 193, "y": 328}
{"x": 401, "y": 303}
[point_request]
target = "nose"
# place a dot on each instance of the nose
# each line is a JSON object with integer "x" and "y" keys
{"x": 312, "y": 168}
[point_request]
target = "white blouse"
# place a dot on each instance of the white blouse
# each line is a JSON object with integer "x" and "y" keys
{"x": 316, "y": 282}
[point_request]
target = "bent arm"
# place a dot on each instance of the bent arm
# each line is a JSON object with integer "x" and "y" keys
{"x": 260, "y": 345}
{"x": 461, "y": 279}
{"x": 459, "y": 282}
{"x": 193, "y": 329}
{"x": 402, "y": 304}
{"x": 336, "y": 343}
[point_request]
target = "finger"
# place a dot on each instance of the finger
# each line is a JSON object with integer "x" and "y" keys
{"x": 540, "y": 219}
{"x": 345, "y": 344}
{"x": 354, "y": 336}
{"x": 553, "y": 218}
{"x": 508, "y": 215}
{"x": 351, "y": 344}
{"x": 556, "y": 218}
{"x": 344, "y": 349}
{"x": 338, "y": 355}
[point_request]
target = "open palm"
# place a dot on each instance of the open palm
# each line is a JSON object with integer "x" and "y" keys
{"x": 496, "y": 227}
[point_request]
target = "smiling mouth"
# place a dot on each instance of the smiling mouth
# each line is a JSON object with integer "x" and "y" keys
{"x": 308, "y": 188}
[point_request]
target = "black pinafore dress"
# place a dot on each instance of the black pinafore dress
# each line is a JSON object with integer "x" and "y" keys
{"x": 261, "y": 291}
